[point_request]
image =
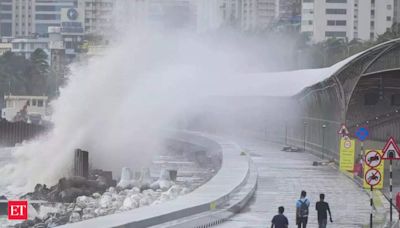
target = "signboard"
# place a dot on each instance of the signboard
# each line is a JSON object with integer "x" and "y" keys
{"x": 362, "y": 133}
{"x": 347, "y": 151}
{"x": 343, "y": 130}
{"x": 391, "y": 151}
{"x": 379, "y": 167}
{"x": 373, "y": 159}
{"x": 213, "y": 205}
{"x": 73, "y": 15}
{"x": 373, "y": 177}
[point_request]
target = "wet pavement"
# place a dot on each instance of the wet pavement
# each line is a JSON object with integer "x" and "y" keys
{"x": 282, "y": 176}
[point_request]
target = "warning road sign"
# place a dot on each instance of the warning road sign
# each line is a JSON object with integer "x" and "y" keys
{"x": 343, "y": 130}
{"x": 373, "y": 159}
{"x": 373, "y": 177}
{"x": 391, "y": 151}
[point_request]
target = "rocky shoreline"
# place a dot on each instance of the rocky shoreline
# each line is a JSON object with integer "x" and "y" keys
{"x": 75, "y": 199}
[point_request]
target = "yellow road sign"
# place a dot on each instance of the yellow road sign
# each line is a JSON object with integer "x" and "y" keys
{"x": 347, "y": 152}
{"x": 380, "y": 168}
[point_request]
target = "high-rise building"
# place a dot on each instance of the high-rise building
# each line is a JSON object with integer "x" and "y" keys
{"x": 396, "y": 11}
{"x": 21, "y": 18}
{"x": 231, "y": 11}
{"x": 258, "y": 14}
{"x": 165, "y": 13}
{"x": 289, "y": 12}
{"x": 36, "y": 16}
{"x": 98, "y": 15}
{"x": 6, "y": 18}
{"x": 346, "y": 19}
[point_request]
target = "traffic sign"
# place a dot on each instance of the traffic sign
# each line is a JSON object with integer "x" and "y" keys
{"x": 362, "y": 133}
{"x": 347, "y": 143}
{"x": 343, "y": 130}
{"x": 373, "y": 159}
{"x": 391, "y": 151}
{"x": 347, "y": 151}
{"x": 373, "y": 177}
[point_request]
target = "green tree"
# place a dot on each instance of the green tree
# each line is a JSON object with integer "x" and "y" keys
{"x": 38, "y": 73}
{"x": 13, "y": 73}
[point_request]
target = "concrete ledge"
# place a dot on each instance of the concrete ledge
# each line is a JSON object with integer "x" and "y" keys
{"x": 215, "y": 194}
{"x": 239, "y": 199}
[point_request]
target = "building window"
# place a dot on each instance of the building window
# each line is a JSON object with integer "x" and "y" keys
{"x": 47, "y": 17}
{"x": 371, "y": 35}
{"x": 389, "y": 18}
{"x": 336, "y": 1}
{"x": 40, "y": 103}
{"x": 338, "y": 22}
{"x": 308, "y": 34}
{"x": 335, "y": 34}
{"x": 335, "y": 11}
{"x": 308, "y": 0}
{"x": 389, "y": 7}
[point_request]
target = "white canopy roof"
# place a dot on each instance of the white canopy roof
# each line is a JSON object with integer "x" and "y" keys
{"x": 286, "y": 83}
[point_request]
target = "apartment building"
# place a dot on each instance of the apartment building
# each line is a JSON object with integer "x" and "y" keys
{"x": 21, "y": 18}
{"x": 258, "y": 14}
{"x": 6, "y": 18}
{"x": 98, "y": 15}
{"x": 346, "y": 19}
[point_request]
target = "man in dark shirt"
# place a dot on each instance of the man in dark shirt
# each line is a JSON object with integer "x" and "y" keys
{"x": 280, "y": 221}
{"x": 322, "y": 207}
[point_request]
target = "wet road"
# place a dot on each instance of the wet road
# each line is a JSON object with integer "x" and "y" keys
{"x": 282, "y": 176}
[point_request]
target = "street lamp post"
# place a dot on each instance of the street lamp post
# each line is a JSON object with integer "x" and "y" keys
{"x": 323, "y": 140}
{"x": 286, "y": 133}
{"x": 304, "y": 136}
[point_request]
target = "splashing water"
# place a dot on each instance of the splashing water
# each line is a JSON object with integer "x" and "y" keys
{"x": 115, "y": 106}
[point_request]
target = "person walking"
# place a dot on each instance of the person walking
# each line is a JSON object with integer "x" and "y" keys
{"x": 322, "y": 208}
{"x": 279, "y": 220}
{"x": 302, "y": 206}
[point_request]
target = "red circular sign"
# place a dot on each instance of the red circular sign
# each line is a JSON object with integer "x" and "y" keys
{"x": 373, "y": 158}
{"x": 373, "y": 177}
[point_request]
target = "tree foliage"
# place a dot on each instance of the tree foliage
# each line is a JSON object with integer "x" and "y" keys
{"x": 22, "y": 76}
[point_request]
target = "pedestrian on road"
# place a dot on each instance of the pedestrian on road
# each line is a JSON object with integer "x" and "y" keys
{"x": 322, "y": 207}
{"x": 302, "y": 206}
{"x": 279, "y": 220}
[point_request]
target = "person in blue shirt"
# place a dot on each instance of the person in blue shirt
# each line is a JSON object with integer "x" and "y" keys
{"x": 280, "y": 221}
{"x": 302, "y": 206}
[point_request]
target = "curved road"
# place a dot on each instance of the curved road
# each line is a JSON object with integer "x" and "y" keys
{"x": 282, "y": 176}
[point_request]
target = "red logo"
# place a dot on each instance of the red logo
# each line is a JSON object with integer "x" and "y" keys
{"x": 18, "y": 210}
